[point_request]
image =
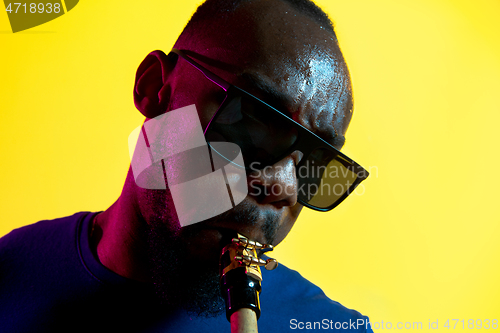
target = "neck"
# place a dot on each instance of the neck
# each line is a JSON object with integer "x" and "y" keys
{"x": 119, "y": 239}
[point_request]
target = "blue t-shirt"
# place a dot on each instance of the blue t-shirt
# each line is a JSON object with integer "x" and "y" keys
{"x": 50, "y": 281}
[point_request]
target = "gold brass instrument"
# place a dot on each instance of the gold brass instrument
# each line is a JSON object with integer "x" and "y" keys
{"x": 240, "y": 280}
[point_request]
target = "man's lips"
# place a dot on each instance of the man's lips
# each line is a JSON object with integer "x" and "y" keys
{"x": 228, "y": 231}
{"x": 225, "y": 236}
{"x": 222, "y": 233}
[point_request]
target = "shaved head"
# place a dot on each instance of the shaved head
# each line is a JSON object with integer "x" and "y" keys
{"x": 204, "y": 16}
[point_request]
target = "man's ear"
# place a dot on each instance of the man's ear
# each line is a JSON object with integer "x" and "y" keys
{"x": 151, "y": 90}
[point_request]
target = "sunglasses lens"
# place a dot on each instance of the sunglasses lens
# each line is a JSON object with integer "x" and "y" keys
{"x": 262, "y": 134}
{"x": 324, "y": 178}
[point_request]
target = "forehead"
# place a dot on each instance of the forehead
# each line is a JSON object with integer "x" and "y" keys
{"x": 290, "y": 62}
{"x": 312, "y": 86}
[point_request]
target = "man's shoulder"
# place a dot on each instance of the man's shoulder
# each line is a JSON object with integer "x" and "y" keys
{"x": 40, "y": 270}
{"x": 43, "y": 246}
{"x": 299, "y": 304}
{"x": 47, "y": 232}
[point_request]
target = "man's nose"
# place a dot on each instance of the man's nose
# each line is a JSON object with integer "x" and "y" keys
{"x": 276, "y": 184}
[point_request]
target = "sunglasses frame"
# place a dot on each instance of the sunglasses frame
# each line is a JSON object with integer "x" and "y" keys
{"x": 306, "y": 139}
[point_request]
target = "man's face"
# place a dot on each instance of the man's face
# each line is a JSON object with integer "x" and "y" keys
{"x": 289, "y": 62}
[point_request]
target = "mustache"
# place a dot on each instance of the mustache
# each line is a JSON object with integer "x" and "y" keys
{"x": 250, "y": 215}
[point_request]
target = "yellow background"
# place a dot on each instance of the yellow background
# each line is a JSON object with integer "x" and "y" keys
{"x": 421, "y": 243}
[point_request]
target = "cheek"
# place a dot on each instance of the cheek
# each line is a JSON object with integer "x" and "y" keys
{"x": 153, "y": 203}
{"x": 207, "y": 105}
{"x": 288, "y": 222}
{"x": 205, "y": 95}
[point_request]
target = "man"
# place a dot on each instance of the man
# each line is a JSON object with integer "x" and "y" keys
{"x": 133, "y": 267}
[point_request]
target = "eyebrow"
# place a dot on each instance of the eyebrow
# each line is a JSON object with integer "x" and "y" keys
{"x": 275, "y": 97}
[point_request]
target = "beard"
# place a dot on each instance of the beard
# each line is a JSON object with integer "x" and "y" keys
{"x": 179, "y": 280}
{"x": 182, "y": 278}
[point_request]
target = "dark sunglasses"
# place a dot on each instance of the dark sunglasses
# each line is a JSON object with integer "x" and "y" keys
{"x": 265, "y": 136}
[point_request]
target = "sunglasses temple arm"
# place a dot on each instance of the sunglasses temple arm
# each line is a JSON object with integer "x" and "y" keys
{"x": 209, "y": 75}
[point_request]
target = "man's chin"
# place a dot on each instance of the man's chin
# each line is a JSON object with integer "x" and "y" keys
{"x": 197, "y": 293}
{"x": 185, "y": 261}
